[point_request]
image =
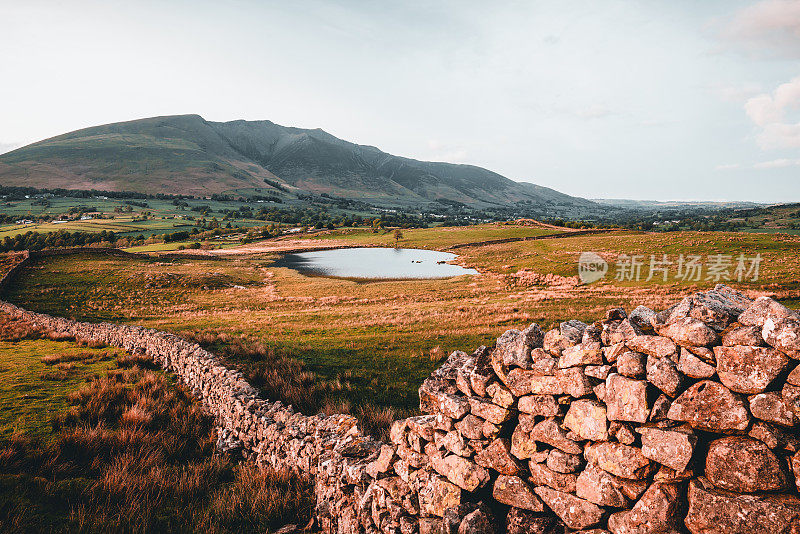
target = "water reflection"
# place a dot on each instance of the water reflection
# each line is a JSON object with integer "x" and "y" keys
{"x": 375, "y": 263}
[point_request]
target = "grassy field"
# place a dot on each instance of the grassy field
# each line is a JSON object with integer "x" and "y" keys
{"x": 376, "y": 341}
{"x": 36, "y": 378}
{"x": 95, "y": 440}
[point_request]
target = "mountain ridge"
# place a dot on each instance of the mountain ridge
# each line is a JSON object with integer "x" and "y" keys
{"x": 186, "y": 153}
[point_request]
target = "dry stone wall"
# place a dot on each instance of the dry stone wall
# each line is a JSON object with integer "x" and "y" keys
{"x": 679, "y": 421}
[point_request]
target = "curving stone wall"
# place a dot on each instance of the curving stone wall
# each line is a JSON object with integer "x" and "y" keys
{"x": 682, "y": 420}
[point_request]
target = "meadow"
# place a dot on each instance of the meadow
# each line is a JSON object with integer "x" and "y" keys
{"x": 366, "y": 346}
{"x": 96, "y": 440}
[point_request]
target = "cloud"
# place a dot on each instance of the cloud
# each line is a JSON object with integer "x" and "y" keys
{"x": 773, "y": 164}
{"x": 727, "y": 167}
{"x": 769, "y": 27}
{"x": 777, "y": 164}
{"x": 769, "y": 113}
{"x": 737, "y": 94}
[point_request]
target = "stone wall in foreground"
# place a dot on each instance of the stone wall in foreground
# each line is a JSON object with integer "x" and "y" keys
{"x": 643, "y": 422}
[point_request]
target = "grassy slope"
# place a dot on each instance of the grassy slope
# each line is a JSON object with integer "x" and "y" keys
{"x": 33, "y": 392}
{"x": 382, "y": 338}
{"x": 95, "y": 448}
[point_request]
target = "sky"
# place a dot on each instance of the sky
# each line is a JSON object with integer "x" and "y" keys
{"x": 656, "y": 100}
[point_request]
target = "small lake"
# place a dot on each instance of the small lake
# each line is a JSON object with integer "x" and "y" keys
{"x": 375, "y": 263}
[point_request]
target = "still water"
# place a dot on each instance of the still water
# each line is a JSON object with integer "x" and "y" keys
{"x": 375, "y": 263}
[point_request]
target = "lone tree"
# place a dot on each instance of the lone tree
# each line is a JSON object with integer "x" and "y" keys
{"x": 398, "y": 235}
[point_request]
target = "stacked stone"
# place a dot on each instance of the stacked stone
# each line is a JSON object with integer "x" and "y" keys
{"x": 640, "y": 422}
{"x": 681, "y": 420}
{"x": 271, "y": 433}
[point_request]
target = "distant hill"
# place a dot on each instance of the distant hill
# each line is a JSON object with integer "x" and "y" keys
{"x": 652, "y": 205}
{"x": 187, "y": 154}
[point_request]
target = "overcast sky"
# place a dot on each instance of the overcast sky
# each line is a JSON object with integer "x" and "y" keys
{"x": 661, "y": 100}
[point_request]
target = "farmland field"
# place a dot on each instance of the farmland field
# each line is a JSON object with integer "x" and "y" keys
{"x": 372, "y": 343}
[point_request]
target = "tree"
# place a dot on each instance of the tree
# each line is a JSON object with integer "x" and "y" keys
{"x": 398, "y": 235}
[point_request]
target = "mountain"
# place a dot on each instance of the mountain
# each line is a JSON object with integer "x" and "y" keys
{"x": 189, "y": 155}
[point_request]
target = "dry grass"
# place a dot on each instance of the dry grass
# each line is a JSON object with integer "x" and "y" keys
{"x": 134, "y": 453}
{"x": 279, "y": 376}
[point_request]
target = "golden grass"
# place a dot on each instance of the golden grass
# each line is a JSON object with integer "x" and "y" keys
{"x": 134, "y": 453}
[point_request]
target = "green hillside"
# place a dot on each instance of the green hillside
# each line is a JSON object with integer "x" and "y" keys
{"x": 189, "y": 155}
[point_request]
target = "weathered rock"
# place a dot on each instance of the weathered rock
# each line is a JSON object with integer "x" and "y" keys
{"x": 590, "y": 353}
{"x": 784, "y": 335}
{"x": 791, "y": 395}
{"x": 514, "y": 491}
{"x": 763, "y": 308}
{"x": 422, "y": 425}
{"x": 554, "y": 342}
{"x": 618, "y": 459}
{"x": 498, "y": 456}
{"x": 794, "y": 376}
{"x": 772, "y": 407}
{"x": 658, "y": 346}
{"x": 439, "y": 396}
{"x": 694, "y": 367}
{"x": 471, "y": 427}
{"x": 622, "y": 432}
{"x": 587, "y": 418}
{"x": 599, "y": 372}
{"x": 713, "y": 511}
{"x": 744, "y": 465}
{"x": 710, "y": 406}
{"x": 642, "y": 317}
{"x": 673, "y": 448}
{"x": 717, "y": 308}
{"x": 543, "y": 405}
{"x": 561, "y": 462}
{"x": 453, "y": 442}
{"x": 577, "y": 513}
{"x": 626, "y": 399}
{"x": 523, "y": 446}
{"x": 541, "y": 475}
{"x": 658, "y": 510}
{"x": 599, "y": 487}
{"x": 463, "y": 377}
{"x": 480, "y": 521}
{"x": 569, "y": 381}
{"x": 631, "y": 364}
{"x": 491, "y": 430}
{"x": 514, "y": 346}
{"x": 488, "y": 410}
{"x": 500, "y": 395}
{"x": 460, "y": 471}
{"x": 437, "y": 496}
{"x": 663, "y": 373}
{"x": 743, "y": 335}
{"x": 747, "y": 369}
{"x": 613, "y": 352}
{"x": 430, "y": 525}
{"x": 382, "y": 463}
{"x": 688, "y": 331}
{"x": 549, "y": 432}
{"x": 481, "y": 373}
{"x": 573, "y": 330}
{"x": 519, "y": 521}
{"x": 773, "y": 436}
{"x": 619, "y": 331}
